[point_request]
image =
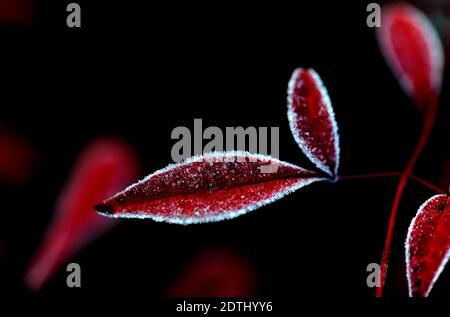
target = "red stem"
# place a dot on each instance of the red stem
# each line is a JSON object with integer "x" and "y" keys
{"x": 428, "y": 123}
{"x": 421, "y": 181}
{"x": 371, "y": 175}
{"x": 427, "y": 184}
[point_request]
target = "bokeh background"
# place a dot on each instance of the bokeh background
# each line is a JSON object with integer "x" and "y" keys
{"x": 137, "y": 71}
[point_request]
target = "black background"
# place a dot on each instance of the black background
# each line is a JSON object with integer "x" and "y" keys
{"x": 138, "y": 71}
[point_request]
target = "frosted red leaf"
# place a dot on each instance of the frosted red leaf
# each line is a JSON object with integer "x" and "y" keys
{"x": 427, "y": 245}
{"x": 213, "y": 187}
{"x": 101, "y": 170}
{"x": 16, "y": 157}
{"x": 413, "y": 50}
{"x": 215, "y": 273}
{"x": 312, "y": 121}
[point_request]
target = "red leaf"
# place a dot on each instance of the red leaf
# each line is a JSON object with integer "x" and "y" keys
{"x": 413, "y": 50}
{"x": 312, "y": 121}
{"x": 16, "y": 157}
{"x": 103, "y": 168}
{"x": 16, "y": 12}
{"x": 428, "y": 245}
{"x": 216, "y": 273}
{"x": 207, "y": 188}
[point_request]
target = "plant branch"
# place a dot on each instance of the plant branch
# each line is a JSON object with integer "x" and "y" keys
{"x": 371, "y": 175}
{"x": 413, "y": 177}
{"x": 428, "y": 184}
{"x": 430, "y": 117}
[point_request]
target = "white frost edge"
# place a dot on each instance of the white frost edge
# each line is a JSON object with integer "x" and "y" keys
{"x": 199, "y": 158}
{"x": 229, "y": 215}
{"x": 292, "y": 116}
{"x": 431, "y": 38}
{"x": 226, "y": 215}
{"x": 407, "y": 253}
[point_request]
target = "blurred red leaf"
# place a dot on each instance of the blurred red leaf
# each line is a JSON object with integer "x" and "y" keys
{"x": 206, "y": 188}
{"x": 312, "y": 121}
{"x": 102, "y": 169}
{"x": 413, "y": 50}
{"x": 16, "y": 157}
{"x": 215, "y": 273}
{"x": 428, "y": 245}
{"x": 16, "y": 11}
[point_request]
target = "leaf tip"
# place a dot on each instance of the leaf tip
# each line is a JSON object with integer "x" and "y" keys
{"x": 104, "y": 209}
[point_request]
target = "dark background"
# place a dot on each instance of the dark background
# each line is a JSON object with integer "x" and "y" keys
{"x": 138, "y": 71}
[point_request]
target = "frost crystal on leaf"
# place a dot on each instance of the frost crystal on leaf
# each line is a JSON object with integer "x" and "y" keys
{"x": 427, "y": 246}
{"x": 212, "y": 187}
{"x": 312, "y": 121}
